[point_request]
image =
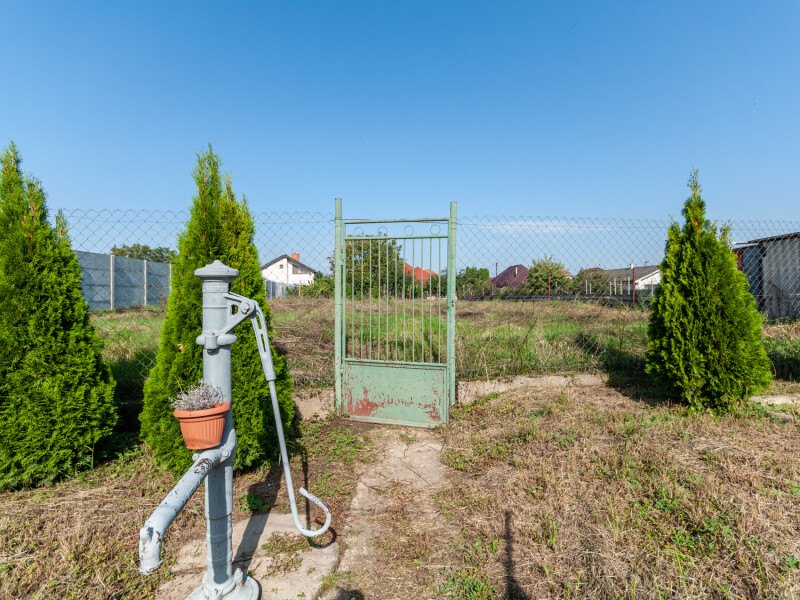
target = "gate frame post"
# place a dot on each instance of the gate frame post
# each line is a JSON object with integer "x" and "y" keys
{"x": 338, "y": 293}
{"x": 451, "y": 304}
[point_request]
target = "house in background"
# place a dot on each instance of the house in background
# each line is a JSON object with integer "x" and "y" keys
{"x": 645, "y": 278}
{"x": 284, "y": 272}
{"x": 420, "y": 275}
{"x": 513, "y": 277}
{"x": 772, "y": 267}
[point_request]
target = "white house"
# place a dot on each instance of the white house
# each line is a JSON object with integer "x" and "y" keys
{"x": 646, "y": 278}
{"x": 288, "y": 270}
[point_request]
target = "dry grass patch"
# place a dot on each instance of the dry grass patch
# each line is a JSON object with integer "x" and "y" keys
{"x": 590, "y": 494}
{"x": 79, "y": 539}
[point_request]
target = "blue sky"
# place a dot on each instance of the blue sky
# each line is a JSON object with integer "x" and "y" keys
{"x": 558, "y": 108}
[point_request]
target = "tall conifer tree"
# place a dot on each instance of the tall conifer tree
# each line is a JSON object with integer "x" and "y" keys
{"x": 219, "y": 227}
{"x": 705, "y": 331}
{"x": 56, "y": 393}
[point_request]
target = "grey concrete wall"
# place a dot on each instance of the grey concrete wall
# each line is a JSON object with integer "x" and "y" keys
{"x": 110, "y": 282}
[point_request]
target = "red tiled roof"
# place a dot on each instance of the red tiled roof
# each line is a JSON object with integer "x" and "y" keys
{"x": 422, "y": 275}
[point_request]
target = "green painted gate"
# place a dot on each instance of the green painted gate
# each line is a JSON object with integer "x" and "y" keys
{"x": 395, "y": 319}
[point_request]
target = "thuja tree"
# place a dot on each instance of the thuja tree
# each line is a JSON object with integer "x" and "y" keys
{"x": 56, "y": 393}
{"x": 705, "y": 334}
{"x": 220, "y": 227}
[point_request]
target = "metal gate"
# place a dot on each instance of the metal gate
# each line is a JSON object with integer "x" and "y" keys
{"x": 395, "y": 319}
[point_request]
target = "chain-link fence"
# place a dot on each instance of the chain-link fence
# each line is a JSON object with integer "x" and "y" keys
{"x": 534, "y": 294}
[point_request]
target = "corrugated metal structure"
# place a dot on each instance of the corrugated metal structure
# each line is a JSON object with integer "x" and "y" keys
{"x": 772, "y": 268}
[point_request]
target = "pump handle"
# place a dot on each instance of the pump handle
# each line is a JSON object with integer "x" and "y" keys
{"x": 264, "y": 352}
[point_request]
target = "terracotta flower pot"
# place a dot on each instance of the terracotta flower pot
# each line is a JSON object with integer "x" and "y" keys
{"x": 202, "y": 429}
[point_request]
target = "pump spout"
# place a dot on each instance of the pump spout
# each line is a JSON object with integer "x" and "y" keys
{"x": 152, "y": 534}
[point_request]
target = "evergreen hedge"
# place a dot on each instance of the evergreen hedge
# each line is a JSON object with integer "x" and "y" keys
{"x": 705, "y": 333}
{"x": 220, "y": 227}
{"x": 56, "y": 393}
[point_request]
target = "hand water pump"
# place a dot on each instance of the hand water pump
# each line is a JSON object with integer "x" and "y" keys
{"x": 222, "y": 312}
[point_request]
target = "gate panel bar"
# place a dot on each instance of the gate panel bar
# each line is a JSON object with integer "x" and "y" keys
{"x": 337, "y": 287}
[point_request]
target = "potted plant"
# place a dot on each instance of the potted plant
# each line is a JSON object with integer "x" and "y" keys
{"x": 201, "y": 412}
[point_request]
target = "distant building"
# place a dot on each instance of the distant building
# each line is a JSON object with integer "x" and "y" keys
{"x": 772, "y": 267}
{"x": 513, "y": 277}
{"x": 420, "y": 275}
{"x": 287, "y": 270}
{"x": 644, "y": 278}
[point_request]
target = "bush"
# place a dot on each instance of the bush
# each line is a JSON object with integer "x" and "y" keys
{"x": 56, "y": 394}
{"x": 322, "y": 287}
{"x": 706, "y": 338}
{"x": 546, "y": 275}
{"x": 219, "y": 227}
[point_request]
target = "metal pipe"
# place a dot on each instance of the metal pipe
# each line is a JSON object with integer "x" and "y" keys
{"x": 152, "y": 534}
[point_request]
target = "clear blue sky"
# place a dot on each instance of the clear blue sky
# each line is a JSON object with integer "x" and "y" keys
{"x": 511, "y": 108}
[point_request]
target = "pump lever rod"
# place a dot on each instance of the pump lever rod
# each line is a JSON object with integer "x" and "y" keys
{"x": 250, "y": 308}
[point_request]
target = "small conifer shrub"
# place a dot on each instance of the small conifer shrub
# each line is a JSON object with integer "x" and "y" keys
{"x": 220, "y": 227}
{"x": 705, "y": 333}
{"x": 56, "y": 393}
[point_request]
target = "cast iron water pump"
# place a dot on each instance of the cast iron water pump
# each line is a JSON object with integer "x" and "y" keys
{"x": 222, "y": 312}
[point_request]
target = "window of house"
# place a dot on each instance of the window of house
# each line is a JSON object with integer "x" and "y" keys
{"x": 298, "y": 270}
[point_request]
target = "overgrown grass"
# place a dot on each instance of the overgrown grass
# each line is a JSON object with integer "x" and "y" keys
{"x": 79, "y": 539}
{"x": 130, "y": 342}
{"x": 493, "y": 338}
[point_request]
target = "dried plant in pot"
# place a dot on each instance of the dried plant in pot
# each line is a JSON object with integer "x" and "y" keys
{"x": 201, "y": 412}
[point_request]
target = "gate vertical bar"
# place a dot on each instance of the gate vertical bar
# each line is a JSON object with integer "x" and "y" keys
{"x": 451, "y": 305}
{"x": 338, "y": 325}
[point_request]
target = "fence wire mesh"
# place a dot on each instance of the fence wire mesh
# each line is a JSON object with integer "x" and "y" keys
{"x": 535, "y": 294}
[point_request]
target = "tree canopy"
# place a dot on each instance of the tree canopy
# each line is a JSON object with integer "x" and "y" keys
{"x": 145, "y": 252}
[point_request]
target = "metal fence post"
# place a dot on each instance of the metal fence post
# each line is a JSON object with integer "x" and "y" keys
{"x": 111, "y": 281}
{"x": 144, "y": 279}
{"x": 337, "y": 286}
{"x": 451, "y": 303}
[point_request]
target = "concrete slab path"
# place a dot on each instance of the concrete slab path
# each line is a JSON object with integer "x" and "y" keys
{"x": 281, "y": 577}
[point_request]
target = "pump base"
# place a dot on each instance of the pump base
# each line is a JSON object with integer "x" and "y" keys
{"x": 248, "y": 589}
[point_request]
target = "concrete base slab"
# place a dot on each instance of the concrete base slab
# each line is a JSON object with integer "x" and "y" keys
{"x": 468, "y": 391}
{"x": 282, "y": 576}
{"x": 773, "y": 400}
